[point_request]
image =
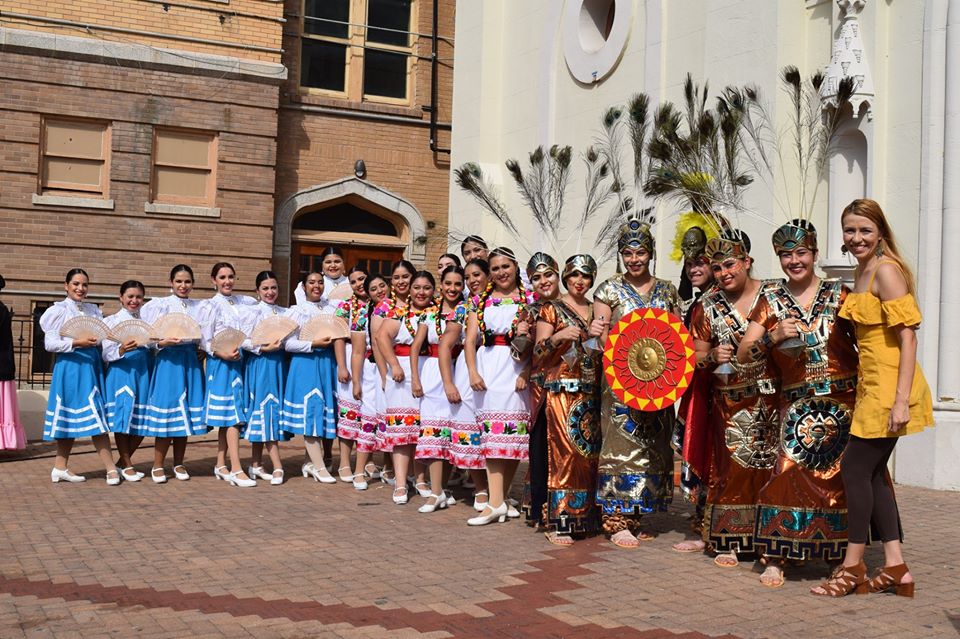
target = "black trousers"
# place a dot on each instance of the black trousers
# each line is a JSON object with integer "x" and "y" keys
{"x": 870, "y": 497}
{"x": 538, "y": 468}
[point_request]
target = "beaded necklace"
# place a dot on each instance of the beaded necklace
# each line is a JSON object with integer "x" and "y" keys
{"x": 438, "y": 316}
{"x": 410, "y": 314}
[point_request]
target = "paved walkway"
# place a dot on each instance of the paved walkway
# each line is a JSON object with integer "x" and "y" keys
{"x": 201, "y": 559}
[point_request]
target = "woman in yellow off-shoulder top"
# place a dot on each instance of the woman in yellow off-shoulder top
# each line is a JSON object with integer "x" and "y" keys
{"x": 893, "y": 398}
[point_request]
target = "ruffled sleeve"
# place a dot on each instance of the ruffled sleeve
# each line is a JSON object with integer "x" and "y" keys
{"x": 294, "y": 344}
{"x": 207, "y": 318}
{"x": 903, "y": 310}
{"x": 110, "y": 348}
{"x": 51, "y": 321}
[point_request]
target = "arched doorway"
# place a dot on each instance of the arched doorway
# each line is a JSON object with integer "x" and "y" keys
{"x": 370, "y": 225}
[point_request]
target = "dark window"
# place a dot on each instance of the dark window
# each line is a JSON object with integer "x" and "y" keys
{"x": 385, "y": 74}
{"x": 323, "y": 65}
{"x": 345, "y": 218}
{"x": 393, "y": 16}
{"x": 327, "y": 18}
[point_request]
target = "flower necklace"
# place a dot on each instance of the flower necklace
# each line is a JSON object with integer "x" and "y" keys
{"x": 409, "y": 315}
{"x": 438, "y": 316}
{"x": 357, "y": 307}
{"x": 396, "y": 305}
{"x": 481, "y": 300}
{"x": 521, "y": 301}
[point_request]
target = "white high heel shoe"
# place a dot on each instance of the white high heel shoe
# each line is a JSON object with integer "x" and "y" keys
{"x": 480, "y": 506}
{"x": 235, "y": 480}
{"x": 345, "y": 478}
{"x": 512, "y": 511}
{"x": 360, "y": 481}
{"x": 257, "y": 472}
{"x": 222, "y": 473}
{"x": 440, "y": 502}
{"x": 57, "y": 476}
{"x": 277, "y": 477}
{"x": 399, "y": 497}
{"x": 180, "y": 472}
{"x": 424, "y": 492}
{"x": 324, "y": 477}
{"x": 115, "y": 480}
{"x": 498, "y": 514}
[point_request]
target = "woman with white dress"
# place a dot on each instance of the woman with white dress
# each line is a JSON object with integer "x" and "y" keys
{"x": 175, "y": 404}
{"x": 309, "y": 397}
{"x": 75, "y": 406}
{"x": 466, "y": 452}
{"x": 366, "y": 382}
{"x": 350, "y": 310}
{"x": 403, "y": 409}
{"x": 264, "y": 375}
{"x": 433, "y": 443}
{"x": 127, "y": 380}
{"x": 225, "y": 401}
{"x": 499, "y": 381}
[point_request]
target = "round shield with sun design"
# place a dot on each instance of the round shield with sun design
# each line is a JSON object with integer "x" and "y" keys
{"x": 816, "y": 431}
{"x": 648, "y": 359}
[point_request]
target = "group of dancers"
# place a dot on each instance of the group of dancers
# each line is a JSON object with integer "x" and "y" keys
{"x": 476, "y": 368}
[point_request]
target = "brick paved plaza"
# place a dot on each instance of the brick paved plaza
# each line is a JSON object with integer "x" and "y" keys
{"x": 200, "y": 559}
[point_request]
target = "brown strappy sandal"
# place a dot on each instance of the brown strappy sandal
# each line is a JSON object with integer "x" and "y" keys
{"x": 843, "y": 581}
{"x": 886, "y": 578}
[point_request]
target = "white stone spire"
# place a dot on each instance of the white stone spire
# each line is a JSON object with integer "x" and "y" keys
{"x": 849, "y": 60}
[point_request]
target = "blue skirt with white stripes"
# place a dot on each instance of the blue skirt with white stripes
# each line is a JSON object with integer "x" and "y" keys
{"x": 175, "y": 406}
{"x": 226, "y": 402}
{"x": 310, "y": 395}
{"x": 127, "y": 390}
{"x": 264, "y": 381}
{"x": 75, "y": 404}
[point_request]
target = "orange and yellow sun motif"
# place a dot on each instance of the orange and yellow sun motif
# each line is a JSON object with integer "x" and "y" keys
{"x": 648, "y": 359}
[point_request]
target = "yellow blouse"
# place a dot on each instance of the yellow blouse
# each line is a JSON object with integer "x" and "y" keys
{"x": 879, "y": 363}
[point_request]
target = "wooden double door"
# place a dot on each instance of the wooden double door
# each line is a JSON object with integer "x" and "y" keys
{"x": 375, "y": 259}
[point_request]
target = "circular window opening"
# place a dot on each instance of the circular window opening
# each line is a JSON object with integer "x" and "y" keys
{"x": 596, "y": 21}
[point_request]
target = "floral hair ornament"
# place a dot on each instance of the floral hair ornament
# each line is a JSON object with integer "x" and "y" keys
{"x": 732, "y": 243}
{"x": 796, "y": 233}
{"x": 583, "y": 264}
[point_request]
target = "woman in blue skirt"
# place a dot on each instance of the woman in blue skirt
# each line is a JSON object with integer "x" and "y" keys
{"x": 225, "y": 402}
{"x": 75, "y": 404}
{"x": 309, "y": 398}
{"x": 264, "y": 377}
{"x": 128, "y": 381}
{"x": 175, "y": 405}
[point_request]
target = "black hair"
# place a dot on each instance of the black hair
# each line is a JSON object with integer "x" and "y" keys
{"x": 370, "y": 306}
{"x": 426, "y": 275}
{"x": 406, "y": 265}
{"x": 455, "y": 258}
{"x": 358, "y": 269}
{"x": 3, "y": 283}
{"x": 503, "y": 251}
{"x": 331, "y": 250}
{"x": 263, "y": 276}
{"x": 452, "y": 269}
{"x": 306, "y": 276}
{"x": 480, "y": 263}
{"x": 181, "y": 267}
{"x": 371, "y": 279}
{"x": 133, "y": 284}
{"x": 472, "y": 239}
{"x": 219, "y": 265}
{"x": 75, "y": 271}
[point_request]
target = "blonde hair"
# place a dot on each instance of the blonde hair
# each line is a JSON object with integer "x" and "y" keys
{"x": 871, "y": 210}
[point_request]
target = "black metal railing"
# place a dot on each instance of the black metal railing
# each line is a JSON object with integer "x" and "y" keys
{"x": 34, "y": 363}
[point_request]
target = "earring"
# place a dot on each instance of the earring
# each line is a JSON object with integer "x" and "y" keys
{"x": 879, "y": 250}
{"x": 844, "y": 249}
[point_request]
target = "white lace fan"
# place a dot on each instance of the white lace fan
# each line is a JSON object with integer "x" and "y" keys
{"x": 341, "y": 291}
{"x": 275, "y": 328}
{"x": 132, "y": 329}
{"x": 324, "y": 326}
{"x": 227, "y": 340}
{"x": 83, "y": 327}
{"x": 176, "y": 325}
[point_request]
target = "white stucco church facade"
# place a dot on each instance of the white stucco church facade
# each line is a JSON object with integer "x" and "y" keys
{"x": 541, "y": 72}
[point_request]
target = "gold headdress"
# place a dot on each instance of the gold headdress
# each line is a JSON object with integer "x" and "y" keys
{"x": 636, "y": 233}
{"x": 732, "y": 243}
{"x": 540, "y": 262}
{"x": 583, "y": 264}
{"x": 798, "y": 232}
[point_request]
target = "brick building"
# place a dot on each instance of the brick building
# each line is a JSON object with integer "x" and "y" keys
{"x": 137, "y": 134}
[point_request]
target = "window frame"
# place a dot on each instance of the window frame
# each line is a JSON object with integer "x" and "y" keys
{"x": 210, "y": 197}
{"x": 357, "y": 45}
{"x": 75, "y": 189}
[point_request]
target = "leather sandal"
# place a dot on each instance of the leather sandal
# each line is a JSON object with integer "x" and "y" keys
{"x": 887, "y": 578}
{"x": 843, "y": 581}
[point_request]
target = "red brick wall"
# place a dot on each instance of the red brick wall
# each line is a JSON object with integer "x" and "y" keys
{"x": 40, "y": 243}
